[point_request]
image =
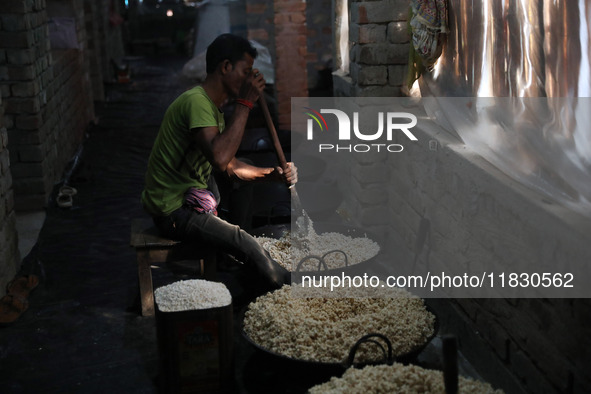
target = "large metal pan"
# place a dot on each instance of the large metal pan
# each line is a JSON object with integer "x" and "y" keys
{"x": 335, "y": 368}
{"x": 277, "y": 231}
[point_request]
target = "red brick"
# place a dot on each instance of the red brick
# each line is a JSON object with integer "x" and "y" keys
{"x": 256, "y": 8}
{"x": 289, "y": 6}
{"x": 292, "y": 67}
{"x": 281, "y": 19}
{"x": 291, "y": 29}
{"x": 285, "y": 121}
{"x": 362, "y": 15}
{"x": 297, "y": 18}
{"x": 258, "y": 34}
{"x": 284, "y": 105}
{"x": 295, "y": 41}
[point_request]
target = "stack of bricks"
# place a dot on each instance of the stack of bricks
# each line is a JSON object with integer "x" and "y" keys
{"x": 8, "y": 239}
{"x": 291, "y": 79}
{"x": 48, "y": 100}
{"x": 380, "y": 45}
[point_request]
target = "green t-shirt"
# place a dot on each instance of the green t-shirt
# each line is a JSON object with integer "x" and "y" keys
{"x": 176, "y": 163}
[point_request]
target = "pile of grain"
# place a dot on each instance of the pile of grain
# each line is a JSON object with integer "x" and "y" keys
{"x": 291, "y": 248}
{"x": 187, "y": 295}
{"x": 397, "y": 378}
{"x": 325, "y": 329}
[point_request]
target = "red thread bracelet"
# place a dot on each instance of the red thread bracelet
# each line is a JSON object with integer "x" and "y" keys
{"x": 246, "y": 103}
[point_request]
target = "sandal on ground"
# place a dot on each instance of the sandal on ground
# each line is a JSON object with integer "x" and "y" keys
{"x": 64, "y": 200}
{"x": 68, "y": 190}
{"x": 22, "y": 285}
{"x": 11, "y": 308}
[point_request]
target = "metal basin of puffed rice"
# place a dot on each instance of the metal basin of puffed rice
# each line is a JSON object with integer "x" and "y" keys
{"x": 398, "y": 378}
{"x": 313, "y": 262}
{"x": 337, "y": 367}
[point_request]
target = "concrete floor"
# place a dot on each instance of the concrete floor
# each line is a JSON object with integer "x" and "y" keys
{"x": 28, "y": 226}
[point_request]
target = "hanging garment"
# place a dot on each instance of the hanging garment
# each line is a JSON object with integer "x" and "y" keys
{"x": 428, "y": 23}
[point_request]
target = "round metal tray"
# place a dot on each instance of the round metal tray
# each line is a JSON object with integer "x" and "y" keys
{"x": 277, "y": 231}
{"x": 336, "y": 367}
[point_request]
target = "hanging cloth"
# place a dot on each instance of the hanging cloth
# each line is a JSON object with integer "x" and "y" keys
{"x": 427, "y": 24}
{"x": 201, "y": 200}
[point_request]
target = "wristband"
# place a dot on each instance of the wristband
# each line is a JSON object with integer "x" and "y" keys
{"x": 246, "y": 103}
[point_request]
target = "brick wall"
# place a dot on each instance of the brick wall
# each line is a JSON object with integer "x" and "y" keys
{"x": 28, "y": 62}
{"x": 379, "y": 49}
{"x": 291, "y": 76}
{"x": 48, "y": 97}
{"x": 9, "y": 255}
{"x": 259, "y": 18}
{"x": 288, "y": 45}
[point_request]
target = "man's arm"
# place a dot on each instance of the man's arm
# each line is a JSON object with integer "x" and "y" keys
{"x": 242, "y": 171}
{"x": 245, "y": 172}
{"x": 220, "y": 148}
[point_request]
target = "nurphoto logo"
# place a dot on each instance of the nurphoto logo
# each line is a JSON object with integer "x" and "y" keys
{"x": 388, "y": 123}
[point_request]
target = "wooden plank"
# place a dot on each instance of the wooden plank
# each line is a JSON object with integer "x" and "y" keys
{"x": 145, "y": 281}
{"x": 144, "y": 234}
{"x": 152, "y": 249}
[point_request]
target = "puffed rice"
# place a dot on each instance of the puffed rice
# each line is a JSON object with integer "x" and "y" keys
{"x": 397, "y": 378}
{"x": 292, "y": 247}
{"x": 192, "y": 294}
{"x": 324, "y": 329}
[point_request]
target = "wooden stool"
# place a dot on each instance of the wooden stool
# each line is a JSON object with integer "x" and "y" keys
{"x": 152, "y": 249}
